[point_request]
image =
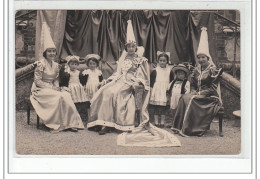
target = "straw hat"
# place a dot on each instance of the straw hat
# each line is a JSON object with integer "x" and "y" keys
{"x": 181, "y": 67}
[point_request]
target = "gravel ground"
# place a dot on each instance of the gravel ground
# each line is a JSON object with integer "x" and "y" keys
{"x": 33, "y": 141}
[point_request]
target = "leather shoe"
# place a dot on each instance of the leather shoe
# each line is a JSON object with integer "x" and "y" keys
{"x": 73, "y": 130}
{"x": 157, "y": 125}
{"x": 103, "y": 131}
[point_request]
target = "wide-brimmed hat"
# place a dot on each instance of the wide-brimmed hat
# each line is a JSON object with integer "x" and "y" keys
{"x": 182, "y": 67}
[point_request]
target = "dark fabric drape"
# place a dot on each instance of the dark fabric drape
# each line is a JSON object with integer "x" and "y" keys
{"x": 195, "y": 22}
{"x": 104, "y": 32}
{"x": 80, "y": 36}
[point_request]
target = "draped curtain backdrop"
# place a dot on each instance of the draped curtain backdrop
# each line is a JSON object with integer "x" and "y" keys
{"x": 56, "y": 21}
{"x": 196, "y": 21}
{"x": 81, "y": 32}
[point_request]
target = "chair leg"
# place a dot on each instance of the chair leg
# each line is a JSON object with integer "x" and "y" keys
{"x": 28, "y": 113}
{"x": 38, "y": 122}
{"x": 220, "y": 125}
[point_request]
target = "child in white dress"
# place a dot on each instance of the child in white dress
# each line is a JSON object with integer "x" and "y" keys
{"x": 92, "y": 78}
{"x": 71, "y": 80}
{"x": 159, "y": 81}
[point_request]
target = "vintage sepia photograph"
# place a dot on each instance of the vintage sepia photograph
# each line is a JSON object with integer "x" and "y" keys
{"x": 127, "y": 82}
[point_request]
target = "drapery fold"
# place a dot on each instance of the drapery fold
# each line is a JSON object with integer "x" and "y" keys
{"x": 195, "y": 22}
{"x": 105, "y": 33}
{"x": 56, "y": 20}
{"x": 80, "y": 36}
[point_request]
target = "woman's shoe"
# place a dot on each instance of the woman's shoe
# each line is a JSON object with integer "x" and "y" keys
{"x": 54, "y": 131}
{"x": 157, "y": 125}
{"x": 161, "y": 125}
{"x": 174, "y": 130}
{"x": 183, "y": 135}
{"x": 103, "y": 131}
{"x": 73, "y": 129}
{"x": 201, "y": 134}
{"x": 97, "y": 128}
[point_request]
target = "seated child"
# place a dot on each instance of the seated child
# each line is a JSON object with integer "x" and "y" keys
{"x": 70, "y": 80}
{"x": 179, "y": 86}
{"x": 92, "y": 78}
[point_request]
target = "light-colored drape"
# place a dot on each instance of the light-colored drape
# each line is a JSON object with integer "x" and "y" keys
{"x": 56, "y": 20}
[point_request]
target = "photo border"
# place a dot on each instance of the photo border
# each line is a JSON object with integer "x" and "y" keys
{"x": 186, "y": 156}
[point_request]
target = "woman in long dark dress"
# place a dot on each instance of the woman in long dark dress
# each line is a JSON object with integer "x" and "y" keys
{"x": 196, "y": 110}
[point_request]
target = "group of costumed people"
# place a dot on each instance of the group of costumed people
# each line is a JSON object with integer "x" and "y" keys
{"x": 193, "y": 95}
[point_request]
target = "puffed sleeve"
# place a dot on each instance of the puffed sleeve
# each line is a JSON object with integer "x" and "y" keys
{"x": 38, "y": 73}
{"x": 83, "y": 77}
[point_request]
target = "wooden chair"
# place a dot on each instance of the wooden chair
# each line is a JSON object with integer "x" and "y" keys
{"x": 219, "y": 115}
{"x": 220, "y": 118}
{"x": 29, "y": 106}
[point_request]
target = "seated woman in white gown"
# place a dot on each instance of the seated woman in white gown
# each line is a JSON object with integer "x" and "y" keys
{"x": 54, "y": 107}
{"x": 114, "y": 104}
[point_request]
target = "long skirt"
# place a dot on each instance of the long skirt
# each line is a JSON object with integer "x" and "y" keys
{"x": 56, "y": 109}
{"x": 113, "y": 106}
{"x": 194, "y": 114}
